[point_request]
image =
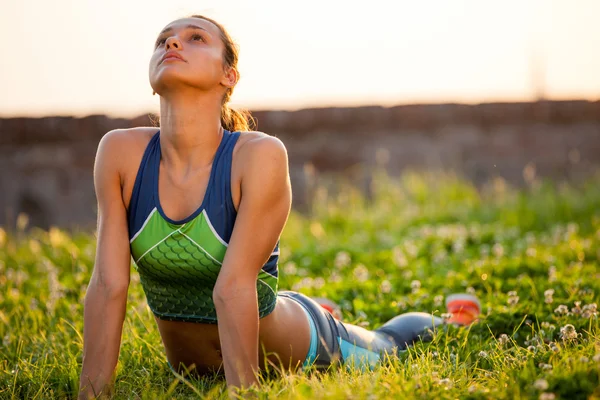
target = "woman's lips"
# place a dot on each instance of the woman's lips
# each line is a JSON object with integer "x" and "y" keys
{"x": 172, "y": 58}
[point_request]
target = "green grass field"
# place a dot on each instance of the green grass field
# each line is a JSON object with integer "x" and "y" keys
{"x": 531, "y": 255}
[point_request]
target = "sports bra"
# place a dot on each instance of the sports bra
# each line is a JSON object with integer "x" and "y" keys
{"x": 179, "y": 261}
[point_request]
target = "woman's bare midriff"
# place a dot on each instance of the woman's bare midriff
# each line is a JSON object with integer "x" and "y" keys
{"x": 284, "y": 334}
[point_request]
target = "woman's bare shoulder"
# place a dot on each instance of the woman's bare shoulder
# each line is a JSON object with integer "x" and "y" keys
{"x": 249, "y": 139}
{"x": 124, "y": 144}
{"x": 122, "y": 150}
{"x": 138, "y": 136}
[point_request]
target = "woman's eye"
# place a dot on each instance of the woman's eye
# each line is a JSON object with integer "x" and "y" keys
{"x": 196, "y": 37}
{"x": 159, "y": 42}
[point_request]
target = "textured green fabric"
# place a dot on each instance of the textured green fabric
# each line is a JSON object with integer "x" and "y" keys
{"x": 179, "y": 266}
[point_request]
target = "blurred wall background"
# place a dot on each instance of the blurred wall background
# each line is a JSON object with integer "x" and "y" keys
{"x": 46, "y": 163}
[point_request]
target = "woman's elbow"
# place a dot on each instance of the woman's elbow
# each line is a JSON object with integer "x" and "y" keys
{"x": 233, "y": 292}
{"x": 110, "y": 288}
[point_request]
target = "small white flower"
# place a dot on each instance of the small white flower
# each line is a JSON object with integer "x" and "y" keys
{"x": 319, "y": 282}
{"x": 503, "y": 339}
{"x": 596, "y": 358}
{"x": 399, "y": 257}
{"x": 562, "y": 309}
{"x": 290, "y": 268}
{"x": 545, "y": 366}
{"x": 361, "y": 273}
{"x": 446, "y": 316}
{"x": 589, "y": 310}
{"x": 445, "y": 382}
{"x": 531, "y": 252}
{"x": 438, "y": 300}
{"x": 568, "y": 332}
{"x": 386, "y": 286}
{"x": 483, "y": 354}
{"x": 342, "y": 259}
{"x": 513, "y": 299}
{"x": 540, "y": 384}
{"x": 498, "y": 250}
{"x": 547, "y": 396}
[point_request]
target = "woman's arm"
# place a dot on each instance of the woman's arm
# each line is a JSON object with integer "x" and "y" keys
{"x": 262, "y": 213}
{"x": 106, "y": 296}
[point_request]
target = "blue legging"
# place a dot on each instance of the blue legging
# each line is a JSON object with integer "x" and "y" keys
{"x": 333, "y": 341}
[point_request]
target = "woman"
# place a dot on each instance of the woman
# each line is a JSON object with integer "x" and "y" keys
{"x": 200, "y": 205}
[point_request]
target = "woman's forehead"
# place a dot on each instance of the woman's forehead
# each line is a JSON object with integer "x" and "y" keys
{"x": 185, "y": 22}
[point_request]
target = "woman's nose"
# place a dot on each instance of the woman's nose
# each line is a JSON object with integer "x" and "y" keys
{"x": 172, "y": 43}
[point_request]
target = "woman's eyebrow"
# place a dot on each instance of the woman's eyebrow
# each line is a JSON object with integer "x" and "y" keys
{"x": 189, "y": 26}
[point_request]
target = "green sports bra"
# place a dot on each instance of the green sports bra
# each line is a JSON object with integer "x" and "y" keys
{"x": 179, "y": 261}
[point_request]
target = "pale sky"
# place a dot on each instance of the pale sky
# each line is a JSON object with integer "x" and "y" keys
{"x": 309, "y": 53}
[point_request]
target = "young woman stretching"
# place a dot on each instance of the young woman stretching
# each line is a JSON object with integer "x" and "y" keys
{"x": 200, "y": 205}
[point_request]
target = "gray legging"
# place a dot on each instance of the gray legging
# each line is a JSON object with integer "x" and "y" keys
{"x": 334, "y": 341}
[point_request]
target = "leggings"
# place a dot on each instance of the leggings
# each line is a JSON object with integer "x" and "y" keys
{"x": 333, "y": 341}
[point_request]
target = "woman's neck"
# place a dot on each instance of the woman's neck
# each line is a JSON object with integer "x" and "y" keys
{"x": 190, "y": 130}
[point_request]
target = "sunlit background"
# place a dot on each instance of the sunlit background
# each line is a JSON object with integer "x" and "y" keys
{"x": 75, "y": 57}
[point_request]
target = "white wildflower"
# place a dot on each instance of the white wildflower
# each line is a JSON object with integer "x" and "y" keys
{"x": 531, "y": 252}
{"x": 503, "y": 339}
{"x": 445, "y": 382}
{"x": 483, "y": 354}
{"x": 415, "y": 286}
{"x": 561, "y": 309}
{"x": 342, "y": 259}
{"x": 290, "y": 268}
{"x": 386, "y": 286}
{"x": 513, "y": 299}
{"x": 548, "y": 326}
{"x": 577, "y": 309}
{"x": 589, "y": 310}
{"x": 568, "y": 332}
{"x": 498, "y": 250}
{"x": 547, "y": 396}
{"x": 540, "y": 384}
{"x": 335, "y": 277}
{"x": 361, "y": 273}
{"x": 399, "y": 257}
{"x": 318, "y": 283}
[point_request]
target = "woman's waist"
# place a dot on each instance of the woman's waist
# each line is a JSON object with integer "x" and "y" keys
{"x": 198, "y": 344}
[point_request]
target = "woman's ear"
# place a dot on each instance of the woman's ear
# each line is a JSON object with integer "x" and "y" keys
{"x": 230, "y": 78}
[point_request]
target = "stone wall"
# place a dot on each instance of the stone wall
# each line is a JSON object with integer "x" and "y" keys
{"x": 46, "y": 163}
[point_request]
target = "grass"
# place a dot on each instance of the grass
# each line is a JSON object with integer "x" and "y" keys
{"x": 531, "y": 255}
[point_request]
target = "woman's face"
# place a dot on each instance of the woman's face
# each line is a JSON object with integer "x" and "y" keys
{"x": 198, "y": 43}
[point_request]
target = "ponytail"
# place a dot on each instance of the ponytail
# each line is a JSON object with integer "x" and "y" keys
{"x": 236, "y": 120}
